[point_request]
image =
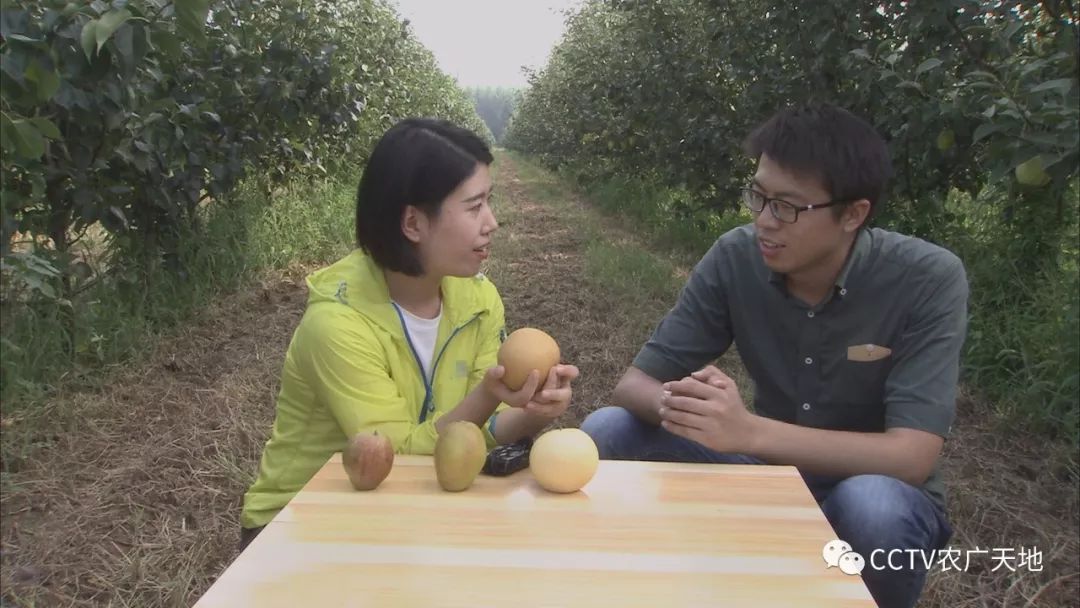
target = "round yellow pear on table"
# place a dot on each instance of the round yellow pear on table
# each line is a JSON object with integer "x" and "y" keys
{"x": 564, "y": 460}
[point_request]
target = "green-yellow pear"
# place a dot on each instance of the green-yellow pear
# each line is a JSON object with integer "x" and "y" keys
{"x": 460, "y": 452}
{"x": 1032, "y": 173}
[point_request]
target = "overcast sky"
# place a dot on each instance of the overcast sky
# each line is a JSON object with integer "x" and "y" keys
{"x": 485, "y": 42}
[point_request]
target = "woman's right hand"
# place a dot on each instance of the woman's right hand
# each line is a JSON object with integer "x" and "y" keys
{"x": 494, "y": 386}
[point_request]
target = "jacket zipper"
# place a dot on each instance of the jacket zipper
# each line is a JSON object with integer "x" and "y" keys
{"x": 429, "y": 393}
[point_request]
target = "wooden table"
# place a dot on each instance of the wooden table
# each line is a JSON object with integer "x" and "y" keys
{"x": 639, "y": 534}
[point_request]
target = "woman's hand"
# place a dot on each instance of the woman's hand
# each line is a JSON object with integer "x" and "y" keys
{"x": 554, "y": 397}
{"x": 494, "y": 386}
{"x": 549, "y": 401}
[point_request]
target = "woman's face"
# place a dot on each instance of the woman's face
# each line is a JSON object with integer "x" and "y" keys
{"x": 458, "y": 240}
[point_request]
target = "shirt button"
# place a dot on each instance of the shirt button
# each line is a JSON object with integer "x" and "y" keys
{"x": 806, "y": 406}
{"x": 810, "y": 314}
{"x": 808, "y": 360}
{"x": 843, "y": 292}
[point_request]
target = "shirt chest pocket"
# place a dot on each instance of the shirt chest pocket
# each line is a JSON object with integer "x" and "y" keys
{"x": 859, "y": 375}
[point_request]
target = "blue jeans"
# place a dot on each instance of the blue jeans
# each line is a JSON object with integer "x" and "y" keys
{"x": 867, "y": 511}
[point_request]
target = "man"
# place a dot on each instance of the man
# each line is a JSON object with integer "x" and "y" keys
{"x": 851, "y": 335}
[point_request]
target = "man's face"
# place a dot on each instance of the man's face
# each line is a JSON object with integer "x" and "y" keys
{"x": 457, "y": 241}
{"x": 814, "y": 240}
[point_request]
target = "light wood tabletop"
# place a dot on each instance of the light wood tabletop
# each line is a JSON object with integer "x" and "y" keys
{"x": 639, "y": 534}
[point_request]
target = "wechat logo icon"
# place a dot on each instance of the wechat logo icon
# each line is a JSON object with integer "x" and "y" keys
{"x": 838, "y": 554}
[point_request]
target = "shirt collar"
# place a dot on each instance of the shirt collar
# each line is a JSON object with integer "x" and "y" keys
{"x": 859, "y": 251}
{"x": 858, "y": 254}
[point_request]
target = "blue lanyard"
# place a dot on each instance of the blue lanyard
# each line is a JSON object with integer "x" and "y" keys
{"x": 427, "y": 385}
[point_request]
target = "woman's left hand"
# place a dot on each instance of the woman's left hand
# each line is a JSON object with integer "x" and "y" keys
{"x": 554, "y": 396}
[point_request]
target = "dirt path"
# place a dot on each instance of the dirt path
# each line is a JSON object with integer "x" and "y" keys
{"x": 129, "y": 496}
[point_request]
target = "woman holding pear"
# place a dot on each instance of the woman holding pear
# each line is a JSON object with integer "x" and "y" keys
{"x": 401, "y": 337}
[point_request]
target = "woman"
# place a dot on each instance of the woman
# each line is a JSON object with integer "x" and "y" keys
{"x": 401, "y": 335}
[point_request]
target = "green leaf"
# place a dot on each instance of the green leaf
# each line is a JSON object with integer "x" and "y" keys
{"x": 191, "y": 14}
{"x": 1012, "y": 28}
{"x": 39, "y": 265}
{"x": 11, "y": 345}
{"x": 123, "y": 46}
{"x": 28, "y": 140}
{"x": 1050, "y": 161}
{"x": 168, "y": 43}
{"x": 119, "y": 213}
{"x": 22, "y": 38}
{"x": 982, "y": 74}
{"x": 46, "y": 80}
{"x": 107, "y": 24}
{"x": 910, "y": 84}
{"x": 87, "y": 39}
{"x": 1046, "y": 139}
{"x": 7, "y": 134}
{"x": 983, "y": 130}
{"x": 47, "y": 128}
{"x": 1061, "y": 84}
{"x": 40, "y": 286}
{"x": 928, "y": 65}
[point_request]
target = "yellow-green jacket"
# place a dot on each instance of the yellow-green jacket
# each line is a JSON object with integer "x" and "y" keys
{"x": 349, "y": 368}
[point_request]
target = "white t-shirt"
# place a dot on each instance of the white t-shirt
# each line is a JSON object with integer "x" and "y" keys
{"x": 423, "y": 333}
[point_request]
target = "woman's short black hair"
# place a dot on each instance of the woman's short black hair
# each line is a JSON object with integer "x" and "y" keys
{"x": 829, "y": 143}
{"x": 418, "y": 162}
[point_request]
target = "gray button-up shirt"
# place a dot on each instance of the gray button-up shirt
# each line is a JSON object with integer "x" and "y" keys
{"x": 882, "y": 351}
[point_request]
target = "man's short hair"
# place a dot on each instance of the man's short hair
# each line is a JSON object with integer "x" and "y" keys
{"x": 829, "y": 143}
{"x": 418, "y": 162}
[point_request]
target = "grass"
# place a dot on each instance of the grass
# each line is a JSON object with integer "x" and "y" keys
{"x": 1023, "y": 348}
{"x": 629, "y": 273}
{"x": 669, "y": 217}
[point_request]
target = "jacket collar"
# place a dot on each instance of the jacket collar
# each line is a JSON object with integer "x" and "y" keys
{"x": 372, "y": 296}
